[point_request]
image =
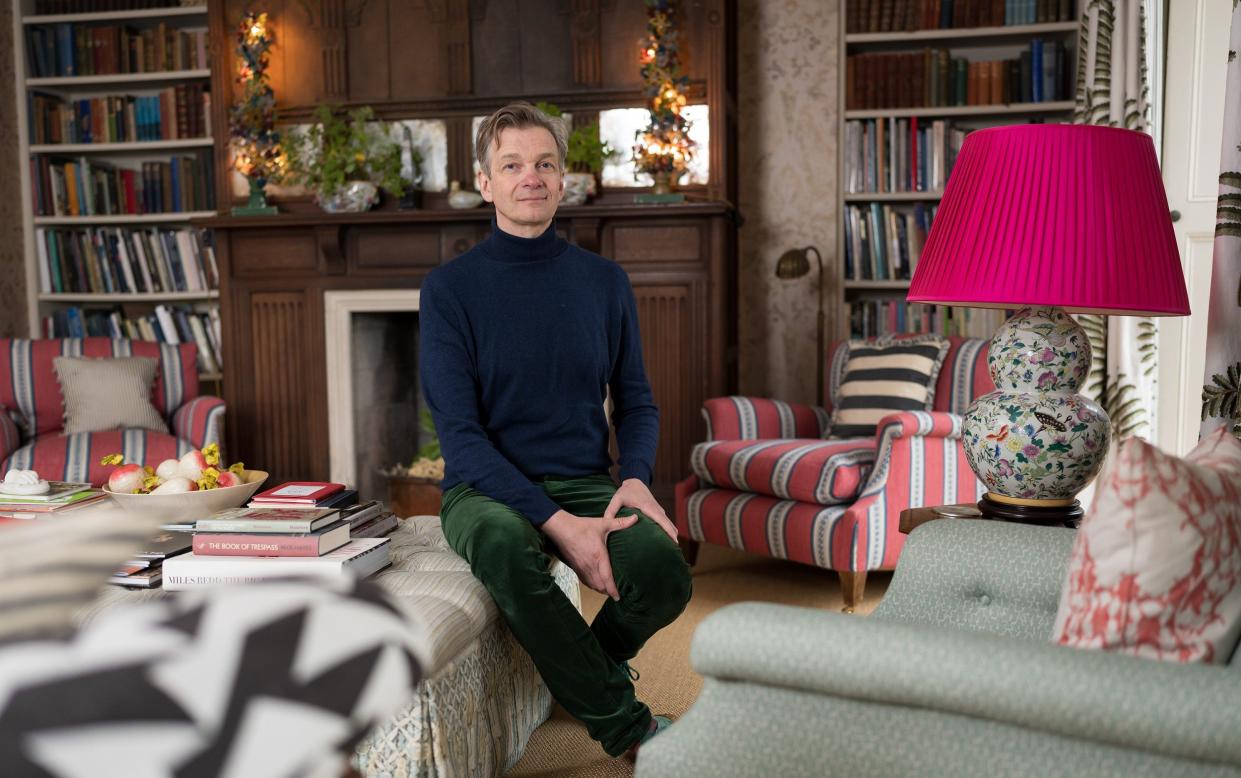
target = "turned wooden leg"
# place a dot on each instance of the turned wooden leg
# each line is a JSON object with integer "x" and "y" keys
{"x": 853, "y": 587}
{"x": 689, "y": 549}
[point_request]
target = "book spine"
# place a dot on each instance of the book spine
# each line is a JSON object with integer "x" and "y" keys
{"x": 248, "y": 545}
{"x": 254, "y": 525}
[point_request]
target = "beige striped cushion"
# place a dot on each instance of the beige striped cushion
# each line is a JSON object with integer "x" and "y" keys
{"x": 108, "y": 394}
{"x": 883, "y": 377}
{"x": 52, "y": 567}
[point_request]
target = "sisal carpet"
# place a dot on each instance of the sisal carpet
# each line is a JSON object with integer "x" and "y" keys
{"x": 561, "y": 748}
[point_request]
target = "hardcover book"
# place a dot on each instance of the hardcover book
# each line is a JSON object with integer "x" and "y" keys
{"x": 57, "y": 491}
{"x": 311, "y": 544}
{"x": 360, "y": 558}
{"x": 260, "y": 519}
{"x": 307, "y": 492}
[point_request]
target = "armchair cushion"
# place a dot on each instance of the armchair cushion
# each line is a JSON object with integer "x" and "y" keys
{"x": 826, "y": 472}
{"x": 885, "y": 376}
{"x": 76, "y": 457}
{"x": 753, "y": 418}
{"x": 105, "y": 394}
{"x": 10, "y": 435}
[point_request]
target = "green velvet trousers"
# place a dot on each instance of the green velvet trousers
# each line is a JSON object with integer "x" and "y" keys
{"x": 580, "y": 664}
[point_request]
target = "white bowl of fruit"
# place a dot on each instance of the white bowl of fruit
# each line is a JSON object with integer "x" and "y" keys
{"x": 181, "y": 490}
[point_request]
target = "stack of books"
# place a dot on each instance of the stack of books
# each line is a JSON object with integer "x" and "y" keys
{"x": 296, "y": 529}
{"x": 61, "y": 496}
{"x": 145, "y": 570}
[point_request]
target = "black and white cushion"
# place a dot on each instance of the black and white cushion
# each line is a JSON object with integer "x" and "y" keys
{"x": 885, "y": 376}
{"x": 276, "y": 679}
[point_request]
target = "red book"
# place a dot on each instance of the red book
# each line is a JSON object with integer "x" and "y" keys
{"x": 248, "y": 544}
{"x": 306, "y": 492}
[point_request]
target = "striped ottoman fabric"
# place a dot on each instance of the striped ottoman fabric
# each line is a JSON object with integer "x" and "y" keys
{"x": 784, "y": 529}
{"x": 825, "y": 472}
{"x": 76, "y": 457}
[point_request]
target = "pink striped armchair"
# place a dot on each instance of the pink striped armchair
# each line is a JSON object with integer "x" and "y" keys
{"x": 32, "y": 409}
{"x": 770, "y": 480}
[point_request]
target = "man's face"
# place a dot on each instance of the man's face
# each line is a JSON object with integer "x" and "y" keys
{"x": 525, "y": 181}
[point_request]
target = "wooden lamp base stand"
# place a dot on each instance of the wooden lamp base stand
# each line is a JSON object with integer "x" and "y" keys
{"x": 1053, "y": 513}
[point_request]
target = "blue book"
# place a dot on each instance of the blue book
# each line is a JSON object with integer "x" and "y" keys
{"x": 1049, "y": 71}
{"x": 64, "y": 50}
{"x": 1036, "y": 70}
{"x": 175, "y": 165}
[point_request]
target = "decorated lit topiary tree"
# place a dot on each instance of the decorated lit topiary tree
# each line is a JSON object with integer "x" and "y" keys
{"x": 252, "y": 121}
{"x": 663, "y": 149}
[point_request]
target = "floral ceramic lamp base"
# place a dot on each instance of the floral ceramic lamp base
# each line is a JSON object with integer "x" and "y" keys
{"x": 1035, "y": 442}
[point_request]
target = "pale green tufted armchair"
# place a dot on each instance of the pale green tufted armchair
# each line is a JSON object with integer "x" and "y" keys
{"x": 954, "y": 674}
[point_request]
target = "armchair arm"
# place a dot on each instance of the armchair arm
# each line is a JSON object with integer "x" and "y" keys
{"x": 919, "y": 461}
{"x": 10, "y": 435}
{"x": 200, "y": 421}
{"x": 756, "y": 418}
{"x": 1172, "y": 710}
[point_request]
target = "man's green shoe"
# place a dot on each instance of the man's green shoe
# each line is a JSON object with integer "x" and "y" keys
{"x": 658, "y": 724}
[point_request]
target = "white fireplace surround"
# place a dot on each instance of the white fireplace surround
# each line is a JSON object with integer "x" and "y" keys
{"x": 338, "y": 310}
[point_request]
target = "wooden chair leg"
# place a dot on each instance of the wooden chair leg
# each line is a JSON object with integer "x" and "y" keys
{"x": 852, "y": 587}
{"x": 689, "y": 549}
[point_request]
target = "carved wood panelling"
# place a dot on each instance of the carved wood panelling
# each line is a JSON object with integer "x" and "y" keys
{"x": 638, "y": 242}
{"x": 666, "y": 313}
{"x": 584, "y": 29}
{"x": 279, "y": 399}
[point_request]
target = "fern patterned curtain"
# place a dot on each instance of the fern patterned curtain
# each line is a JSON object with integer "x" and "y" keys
{"x": 1222, "y": 394}
{"x": 1112, "y": 89}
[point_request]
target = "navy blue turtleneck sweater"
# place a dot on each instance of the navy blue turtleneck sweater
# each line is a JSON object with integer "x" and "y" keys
{"x": 520, "y": 340}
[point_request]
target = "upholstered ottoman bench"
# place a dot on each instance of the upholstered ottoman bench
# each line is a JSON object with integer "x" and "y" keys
{"x": 482, "y": 696}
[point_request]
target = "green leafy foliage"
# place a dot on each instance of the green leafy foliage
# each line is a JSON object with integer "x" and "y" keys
{"x": 1125, "y": 411}
{"x": 340, "y": 148}
{"x": 432, "y": 448}
{"x": 1222, "y": 397}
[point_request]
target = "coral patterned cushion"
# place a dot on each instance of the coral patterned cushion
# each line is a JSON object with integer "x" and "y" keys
{"x": 826, "y": 472}
{"x": 1156, "y": 567}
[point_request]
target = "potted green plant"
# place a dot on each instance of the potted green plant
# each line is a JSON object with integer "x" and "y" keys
{"x": 343, "y": 158}
{"x": 584, "y": 160}
{"x": 414, "y": 489}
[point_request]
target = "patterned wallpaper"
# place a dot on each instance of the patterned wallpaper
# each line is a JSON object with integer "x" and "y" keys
{"x": 787, "y": 94}
{"x": 12, "y": 261}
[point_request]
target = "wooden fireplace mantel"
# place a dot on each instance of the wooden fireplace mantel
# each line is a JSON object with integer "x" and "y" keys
{"x": 680, "y": 258}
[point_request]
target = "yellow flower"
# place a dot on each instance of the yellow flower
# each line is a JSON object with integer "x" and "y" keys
{"x": 237, "y": 467}
{"x": 1013, "y": 444}
{"x": 112, "y": 459}
{"x": 211, "y": 453}
{"x": 359, "y": 157}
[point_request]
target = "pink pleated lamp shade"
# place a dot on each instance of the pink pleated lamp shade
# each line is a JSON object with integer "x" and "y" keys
{"x": 1054, "y": 214}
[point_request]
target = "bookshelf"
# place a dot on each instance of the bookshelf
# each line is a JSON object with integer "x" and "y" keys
{"x": 916, "y": 77}
{"x": 115, "y": 132}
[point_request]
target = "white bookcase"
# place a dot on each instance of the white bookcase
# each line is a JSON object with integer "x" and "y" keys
{"x": 126, "y": 153}
{"x": 975, "y": 44}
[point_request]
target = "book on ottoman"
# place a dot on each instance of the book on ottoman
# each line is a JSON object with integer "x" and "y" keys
{"x": 361, "y": 557}
{"x": 316, "y": 543}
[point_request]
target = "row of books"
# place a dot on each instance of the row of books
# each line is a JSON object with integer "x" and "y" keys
{"x": 112, "y": 260}
{"x": 164, "y": 324}
{"x": 65, "y": 49}
{"x": 42, "y": 7}
{"x": 899, "y": 154}
{"x": 909, "y": 15}
{"x": 873, "y": 318}
{"x": 271, "y": 538}
{"x": 884, "y": 242}
{"x": 181, "y": 111}
{"x": 60, "y": 497}
{"x": 84, "y": 187}
{"x": 933, "y": 77}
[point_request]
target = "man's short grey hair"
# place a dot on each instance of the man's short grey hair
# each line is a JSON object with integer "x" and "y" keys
{"x": 517, "y": 116}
